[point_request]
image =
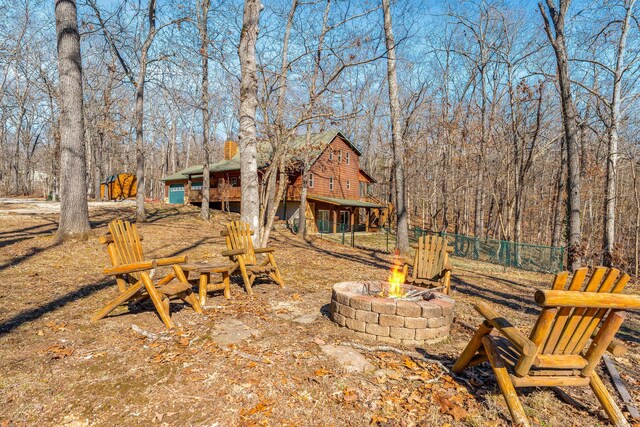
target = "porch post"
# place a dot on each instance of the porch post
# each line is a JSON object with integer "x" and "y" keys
{"x": 334, "y": 214}
{"x": 352, "y": 216}
{"x": 366, "y": 220}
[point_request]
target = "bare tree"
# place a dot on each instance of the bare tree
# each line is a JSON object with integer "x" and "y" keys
{"x": 138, "y": 82}
{"x": 608, "y": 240}
{"x": 74, "y": 210}
{"x": 203, "y": 17}
{"x": 557, "y": 39}
{"x": 402, "y": 236}
{"x": 250, "y": 203}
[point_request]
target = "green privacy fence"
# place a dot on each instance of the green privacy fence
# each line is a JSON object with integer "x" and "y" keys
{"x": 548, "y": 259}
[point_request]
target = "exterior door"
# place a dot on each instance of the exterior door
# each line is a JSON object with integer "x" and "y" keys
{"x": 176, "y": 194}
{"x": 323, "y": 221}
{"x": 344, "y": 220}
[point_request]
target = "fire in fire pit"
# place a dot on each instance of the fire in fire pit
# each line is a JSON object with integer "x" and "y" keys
{"x": 396, "y": 278}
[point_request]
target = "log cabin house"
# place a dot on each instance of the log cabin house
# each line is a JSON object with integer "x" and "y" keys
{"x": 338, "y": 191}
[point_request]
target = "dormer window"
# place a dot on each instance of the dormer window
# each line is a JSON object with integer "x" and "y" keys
{"x": 348, "y": 185}
{"x": 348, "y": 157}
{"x": 330, "y": 183}
{"x": 310, "y": 184}
{"x": 339, "y": 156}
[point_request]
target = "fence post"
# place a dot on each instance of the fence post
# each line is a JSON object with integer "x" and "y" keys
{"x": 387, "y": 230}
{"x": 561, "y": 266}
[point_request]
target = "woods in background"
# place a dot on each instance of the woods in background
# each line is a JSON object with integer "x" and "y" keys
{"x": 515, "y": 121}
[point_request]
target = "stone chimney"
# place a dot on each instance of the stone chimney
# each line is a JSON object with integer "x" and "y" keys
{"x": 230, "y": 149}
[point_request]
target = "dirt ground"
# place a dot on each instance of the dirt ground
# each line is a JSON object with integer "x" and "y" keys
{"x": 248, "y": 361}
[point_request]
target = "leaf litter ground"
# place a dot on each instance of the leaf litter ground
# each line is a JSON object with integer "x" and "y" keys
{"x": 247, "y": 362}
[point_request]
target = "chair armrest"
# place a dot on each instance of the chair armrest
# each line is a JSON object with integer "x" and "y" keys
{"x": 517, "y": 338}
{"x": 264, "y": 250}
{"x": 130, "y": 268}
{"x": 162, "y": 262}
{"x": 552, "y": 298}
{"x": 240, "y": 251}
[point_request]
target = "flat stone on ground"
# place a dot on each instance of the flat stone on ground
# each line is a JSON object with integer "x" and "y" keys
{"x": 230, "y": 331}
{"x": 306, "y": 318}
{"x": 349, "y": 359}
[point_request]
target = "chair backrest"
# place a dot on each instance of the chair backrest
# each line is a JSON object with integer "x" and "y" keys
{"x": 567, "y": 330}
{"x": 430, "y": 258}
{"x": 124, "y": 247}
{"x": 239, "y": 237}
{"x": 126, "y": 244}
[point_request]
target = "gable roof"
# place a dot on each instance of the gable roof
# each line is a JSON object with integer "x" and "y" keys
{"x": 319, "y": 142}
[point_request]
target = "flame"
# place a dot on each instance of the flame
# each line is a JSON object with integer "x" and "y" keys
{"x": 396, "y": 278}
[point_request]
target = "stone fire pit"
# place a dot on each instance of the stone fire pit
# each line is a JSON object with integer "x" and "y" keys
{"x": 422, "y": 319}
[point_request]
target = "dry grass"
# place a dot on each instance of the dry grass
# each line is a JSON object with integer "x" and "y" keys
{"x": 58, "y": 368}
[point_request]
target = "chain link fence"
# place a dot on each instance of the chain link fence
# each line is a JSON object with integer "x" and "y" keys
{"x": 524, "y": 256}
{"x": 547, "y": 259}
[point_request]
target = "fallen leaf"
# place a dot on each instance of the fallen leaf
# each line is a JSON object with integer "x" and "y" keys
{"x": 59, "y": 352}
{"x": 458, "y": 413}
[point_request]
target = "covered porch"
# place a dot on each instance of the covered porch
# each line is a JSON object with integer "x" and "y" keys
{"x": 334, "y": 215}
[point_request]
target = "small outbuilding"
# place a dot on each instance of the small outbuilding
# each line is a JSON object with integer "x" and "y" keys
{"x": 118, "y": 187}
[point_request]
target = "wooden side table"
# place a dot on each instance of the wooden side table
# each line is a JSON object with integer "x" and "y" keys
{"x": 204, "y": 271}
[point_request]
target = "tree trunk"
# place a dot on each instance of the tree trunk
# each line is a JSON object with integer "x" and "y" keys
{"x": 249, "y": 199}
{"x": 204, "y": 52}
{"x": 141, "y": 215}
{"x": 402, "y": 235}
{"x": 556, "y": 238}
{"x": 282, "y": 138}
{"x": 74, "y": 210}
{"x": 608, "y": 241}
{"x": 306, "y": 165}
{"x": 569, "y": 121}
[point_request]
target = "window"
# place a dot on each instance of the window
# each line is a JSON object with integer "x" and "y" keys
{"x": 331, "y": 155}
{"x": 339, "y": 156}
{"x": 234, "y": 181}
{"x": 331, "y": 184}
{"x": 348, "y": 185}
{"x": 196, "y": 186}
{"x": 363, "y": 189}
{"x": 348, "y": 157}
{"x": 310, "y": 183}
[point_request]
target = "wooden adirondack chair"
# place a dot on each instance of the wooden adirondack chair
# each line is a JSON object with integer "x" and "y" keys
{"x": 564, "y": 346}
{"x": 241, "y": 252}
{"x": 133, "y": 278}
{"x": 431, "y": 266}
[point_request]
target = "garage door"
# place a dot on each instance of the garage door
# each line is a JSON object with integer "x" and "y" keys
{"x": 176, "y": 194}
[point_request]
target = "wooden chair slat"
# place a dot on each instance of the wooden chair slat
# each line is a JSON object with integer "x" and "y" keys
{"x": 115, "y": 233}
{"x": 587, "y": 318}
{"x": 598, "y": 315}
{"x": 430, "y": 256}
{"x": 569, "y": 330}
{"x": 563, "y": 313}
